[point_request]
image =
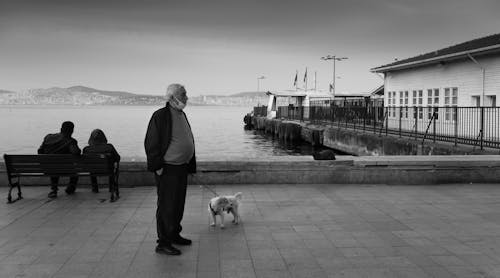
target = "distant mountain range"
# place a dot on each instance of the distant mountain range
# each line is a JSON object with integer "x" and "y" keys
{"x": 81, "y": 95}
{"x": 6, "y": 92}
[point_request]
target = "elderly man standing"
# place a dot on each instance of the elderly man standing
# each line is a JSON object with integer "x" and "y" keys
{"x": 170, "y": 154}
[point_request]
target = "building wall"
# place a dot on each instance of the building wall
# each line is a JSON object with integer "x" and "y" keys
{"x": 464, "y": 75}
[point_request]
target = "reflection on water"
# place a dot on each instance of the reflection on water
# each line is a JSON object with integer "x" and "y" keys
{"x": 267, "y": 143}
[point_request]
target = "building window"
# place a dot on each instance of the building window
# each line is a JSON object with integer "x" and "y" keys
{"x": 436, "y": 97}
{"x": 414, "y": 98}
{"x": 454, "y": 96}
{"x": 432, "y": 101}
{"x": 429, "y": 103}
{"x": 436, "y": 101}
{"x": 476, "y": 101}
{"x": 420, "y": 103}
{"x": 447, "y": 103}
{"x": 492, "y": 101}
{"x": 393, "y": 105}
{"x": 406, "y": 104}
{"x": 450, "y": 102}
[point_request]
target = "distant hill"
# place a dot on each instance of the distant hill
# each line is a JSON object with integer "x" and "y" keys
{"x": 6, "y": 92}
{"x": 82, "y": 95}
{"x": 83, "y": 89}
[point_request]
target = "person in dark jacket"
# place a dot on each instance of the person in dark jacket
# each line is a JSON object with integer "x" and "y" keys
{"x": 61, "y": 143}
{"x": 98, "y": 144}
{"x": 170, "y": 152}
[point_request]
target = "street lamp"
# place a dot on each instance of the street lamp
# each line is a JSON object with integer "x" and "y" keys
{"x": 334, "y": 58}
{"x": 258, "y": 82}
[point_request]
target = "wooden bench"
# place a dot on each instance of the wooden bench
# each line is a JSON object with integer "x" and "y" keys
{"x": 62, "y": 165}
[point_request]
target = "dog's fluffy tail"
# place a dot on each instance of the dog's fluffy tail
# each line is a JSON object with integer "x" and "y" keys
{"x": 238, "y": 196}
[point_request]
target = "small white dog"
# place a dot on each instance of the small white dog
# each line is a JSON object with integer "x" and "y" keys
{"x": 229, "y": 204}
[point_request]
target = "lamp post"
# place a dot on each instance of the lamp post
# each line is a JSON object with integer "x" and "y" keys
{"x": 258, "y": 82}
{"x": 334, "y": 58}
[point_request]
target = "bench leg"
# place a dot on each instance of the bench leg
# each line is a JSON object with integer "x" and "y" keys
{"x": 19, "y": 193}
{"x": 9, "y": 197}
{"x": 113, "y": 189}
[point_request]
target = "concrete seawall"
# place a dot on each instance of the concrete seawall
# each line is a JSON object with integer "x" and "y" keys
{"x": 359, "y": 142}
{"x": 400, "y": 170}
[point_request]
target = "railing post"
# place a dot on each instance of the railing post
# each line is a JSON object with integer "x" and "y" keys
{"x": 332, "y": 111}
{"x": 482, "y": 127}
{"x": 456, "y": 124}
{"x": 400, "y": 115}
{"x": 386, "y": 124}
{"x": 415, "y": 115}
{"x": 364, "y": 118}
{"x": 353, "y": 118}
{"x": 345, "y": 116}
{"x": 434, "y": 113}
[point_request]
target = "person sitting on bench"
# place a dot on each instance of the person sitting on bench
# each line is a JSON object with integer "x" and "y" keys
{"x": 61, "y": 143}
{"x": 98, "y": 144}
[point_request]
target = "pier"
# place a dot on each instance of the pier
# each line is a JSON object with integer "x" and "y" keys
{"x": 366, "y": 131}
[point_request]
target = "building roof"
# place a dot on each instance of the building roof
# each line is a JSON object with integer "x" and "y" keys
{"x": 378, "y": 91}
{"x": 483, "y": 45}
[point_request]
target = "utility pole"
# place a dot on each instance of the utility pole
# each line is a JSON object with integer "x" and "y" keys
{"x": 333, "y": 58}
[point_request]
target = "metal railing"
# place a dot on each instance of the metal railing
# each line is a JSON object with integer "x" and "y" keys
{"x": 477, "y": 126}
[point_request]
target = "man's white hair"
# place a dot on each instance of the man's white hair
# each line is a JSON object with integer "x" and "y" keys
{"x": 173, "y": 89}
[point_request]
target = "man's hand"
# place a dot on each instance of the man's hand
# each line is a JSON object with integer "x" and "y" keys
{"x": 159, "y": 171}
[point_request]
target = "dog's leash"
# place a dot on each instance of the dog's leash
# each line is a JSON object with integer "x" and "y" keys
{"x": 207, "y": 187}
{"x": 211, "y": 190}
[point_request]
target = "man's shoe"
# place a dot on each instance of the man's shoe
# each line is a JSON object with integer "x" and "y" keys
{"x": 52, "y": 194}
{"x": 70, "y": 190}
{"x": 167, "y": 250}
{"x": 182, "y": 241}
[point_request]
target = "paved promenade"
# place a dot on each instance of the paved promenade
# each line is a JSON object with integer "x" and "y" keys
{"x": 287, "y": 231}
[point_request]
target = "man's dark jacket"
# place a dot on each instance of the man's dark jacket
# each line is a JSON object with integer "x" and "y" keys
{"x": 158, "y": 137}
{"x": 58, "y": 143}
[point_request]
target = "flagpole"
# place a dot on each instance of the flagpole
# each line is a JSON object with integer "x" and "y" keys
{"x": 315, "y": 72}
{"x": 305, "y": 80}
{"x": 296, "y": 79}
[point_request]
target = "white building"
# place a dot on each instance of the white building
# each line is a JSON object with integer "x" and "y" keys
{"x": 294, "y": 98}
{"x": 463, "y": 75}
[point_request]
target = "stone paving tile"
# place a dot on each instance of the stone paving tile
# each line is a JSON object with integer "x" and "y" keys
{"x": 286, "y": 231}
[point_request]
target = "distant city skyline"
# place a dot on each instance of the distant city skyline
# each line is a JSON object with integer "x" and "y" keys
{"x": 223, "y": 46}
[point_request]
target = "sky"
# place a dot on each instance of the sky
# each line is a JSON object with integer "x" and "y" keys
{"x": 223, "y": 46}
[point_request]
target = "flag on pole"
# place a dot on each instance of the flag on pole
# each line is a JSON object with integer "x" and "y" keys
{"x": 295, "y": 81}
{"x": 305, "y": 76}
{"x": 331, "y": 88}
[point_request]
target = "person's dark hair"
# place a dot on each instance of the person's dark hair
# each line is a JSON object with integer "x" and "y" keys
{"x": 97, "y": 137}
{"x": 67, "y": 127}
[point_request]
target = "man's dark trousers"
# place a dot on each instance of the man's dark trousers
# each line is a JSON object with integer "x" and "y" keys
{"x": 171, "y": 189}
{"x": 55, "y": 181}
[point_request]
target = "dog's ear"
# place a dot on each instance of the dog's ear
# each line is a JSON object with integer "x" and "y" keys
{"x": 238, "y": 196}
